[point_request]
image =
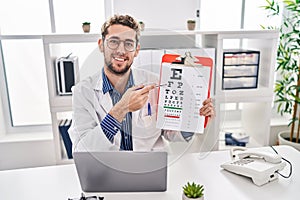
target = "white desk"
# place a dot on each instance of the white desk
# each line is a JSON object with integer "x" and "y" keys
{"x": 61, "y": 182}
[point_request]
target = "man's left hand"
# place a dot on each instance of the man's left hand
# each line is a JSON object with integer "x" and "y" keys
{"x": 207, "y": 110}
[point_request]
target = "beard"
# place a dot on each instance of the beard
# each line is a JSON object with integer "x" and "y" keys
{"x": 115, "y": 69}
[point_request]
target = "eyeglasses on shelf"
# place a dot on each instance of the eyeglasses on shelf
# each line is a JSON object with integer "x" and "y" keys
{"x": 83, "y": 197}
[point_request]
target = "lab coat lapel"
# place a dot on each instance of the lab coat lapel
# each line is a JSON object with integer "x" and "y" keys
{"x": 104, "y": 101}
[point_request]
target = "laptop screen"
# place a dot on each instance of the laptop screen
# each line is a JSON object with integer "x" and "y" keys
{"x": 122, "y": 171}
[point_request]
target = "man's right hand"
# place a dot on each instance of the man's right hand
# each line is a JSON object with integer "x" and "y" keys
{"x": 132, "y": 100}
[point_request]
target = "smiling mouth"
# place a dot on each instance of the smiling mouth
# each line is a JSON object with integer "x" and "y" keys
{"x": 120, "y": 59}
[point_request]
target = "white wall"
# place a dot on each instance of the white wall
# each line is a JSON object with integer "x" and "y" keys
{"x": 16, "y": 154}
{"x": 166, "y": 14}
{"x": 274, "y": 130}
{"x": 29, "y": 152}
{"x": 2, "y": 121}
{"x": 92, "y": 64}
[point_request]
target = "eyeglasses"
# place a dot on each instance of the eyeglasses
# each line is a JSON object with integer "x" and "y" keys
{"x": 87, "y": 198}
{"x": 114, "y": 43}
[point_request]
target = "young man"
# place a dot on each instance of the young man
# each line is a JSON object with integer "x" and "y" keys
{"x": 111, "y": 108}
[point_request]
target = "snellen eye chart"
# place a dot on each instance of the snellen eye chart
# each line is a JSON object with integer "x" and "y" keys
{"x": 181, "y": 98}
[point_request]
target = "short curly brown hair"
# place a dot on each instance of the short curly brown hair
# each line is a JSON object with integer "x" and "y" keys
{"x": 124, "y": 20}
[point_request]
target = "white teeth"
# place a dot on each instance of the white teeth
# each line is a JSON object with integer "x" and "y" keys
{"x": 119, "y": 59}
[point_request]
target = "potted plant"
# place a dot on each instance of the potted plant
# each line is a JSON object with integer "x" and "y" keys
{"x": 192, "y": 191}
{"x": 142, "y": 25}
{"x": 191, "y": 24}
{"x": 288, "y": 60}
{"x": 86, "y": 26}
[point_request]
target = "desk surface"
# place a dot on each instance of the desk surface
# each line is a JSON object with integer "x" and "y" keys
{"x": 61, "y": 182}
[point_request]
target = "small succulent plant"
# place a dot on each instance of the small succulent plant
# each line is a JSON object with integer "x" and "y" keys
{"x": 191, "y": 21}
{"x": 193, "y": 190}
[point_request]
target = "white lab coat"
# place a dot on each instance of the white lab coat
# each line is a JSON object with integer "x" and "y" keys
{"x": 90, "y": 106}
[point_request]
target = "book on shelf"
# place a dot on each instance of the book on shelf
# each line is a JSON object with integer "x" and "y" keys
{"x": 236, "y": 139}
{"x": 63, "y": 127}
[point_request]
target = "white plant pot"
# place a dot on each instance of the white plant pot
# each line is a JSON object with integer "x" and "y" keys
{"x": 282, "y": 141}
{"x": 186, "y": 198}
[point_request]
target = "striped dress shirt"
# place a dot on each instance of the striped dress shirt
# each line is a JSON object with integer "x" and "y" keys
{"x": 109, "y": 124}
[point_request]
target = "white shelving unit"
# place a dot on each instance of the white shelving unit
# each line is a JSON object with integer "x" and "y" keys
{"x": 257, "y": 103}
{"x": 59, "y": 105}
{"x": 256, "y": 112}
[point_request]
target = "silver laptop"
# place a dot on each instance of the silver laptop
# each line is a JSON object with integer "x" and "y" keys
{"x": 122, "y": 171}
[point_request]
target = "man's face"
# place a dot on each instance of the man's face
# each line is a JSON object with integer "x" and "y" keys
{"x": 118, "y": 56}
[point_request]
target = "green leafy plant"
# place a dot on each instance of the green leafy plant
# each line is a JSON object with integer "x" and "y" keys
{"x": 288, "y": 59}
{"x": 86, "y": 23}
{"x": 191, "y": 21}
{"x": 142, "y": 25}
{"x": 193, "y": 190}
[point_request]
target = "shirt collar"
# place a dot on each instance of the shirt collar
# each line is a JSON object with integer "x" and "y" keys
{"x": 107, "y": 86}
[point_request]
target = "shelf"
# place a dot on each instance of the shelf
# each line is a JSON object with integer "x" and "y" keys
{"x": 70, "y": 38}
{"x": 240, "y": 34}
{"x": 26, "y": 137}
{"x": 84, "y": 37}
{"x": 163, "y": 32}
{"x": 61, "y": 103}
{"x": 65, "y": 161}
{"x": 252, "y": 144}
{"x": 236, "y": 126}
{"x": 254, "y": 120}
{"x": 245, "y": 95}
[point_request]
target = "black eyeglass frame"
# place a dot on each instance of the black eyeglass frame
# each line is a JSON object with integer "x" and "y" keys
{"x": 126, "y": 40}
